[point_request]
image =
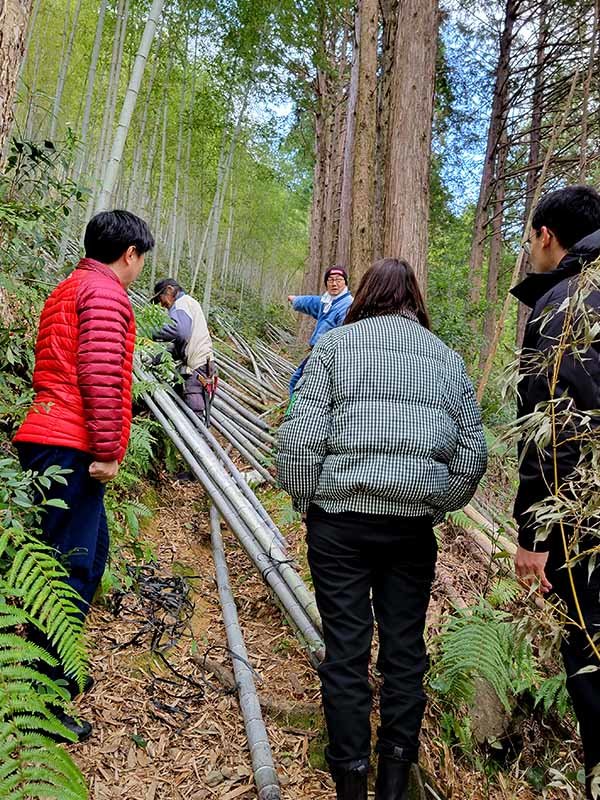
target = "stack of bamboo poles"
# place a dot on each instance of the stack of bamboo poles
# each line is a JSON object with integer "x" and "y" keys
{"x": 249, "y": 521}
{"x": 240, "y": 509}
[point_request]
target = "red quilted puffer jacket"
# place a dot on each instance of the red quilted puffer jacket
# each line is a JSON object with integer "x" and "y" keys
{"x": 83, "y": 365}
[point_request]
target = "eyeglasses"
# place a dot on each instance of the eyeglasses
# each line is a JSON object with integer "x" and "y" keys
{"x": 335, "y": 279}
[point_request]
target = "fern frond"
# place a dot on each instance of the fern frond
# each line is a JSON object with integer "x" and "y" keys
{"x": 38, "y": 579}
{"x": 503, "y": 592}
{"x": 482, "y": 642}
{"x": 14, "y": 649}
{"x": 552, "y": 694}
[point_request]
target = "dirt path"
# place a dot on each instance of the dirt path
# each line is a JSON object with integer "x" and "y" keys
{"x": 155, "y": 740}
{"x": 158, "y": 736}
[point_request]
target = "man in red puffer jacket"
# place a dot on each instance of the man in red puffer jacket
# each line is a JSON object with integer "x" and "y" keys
{"x": 81, "y": 413}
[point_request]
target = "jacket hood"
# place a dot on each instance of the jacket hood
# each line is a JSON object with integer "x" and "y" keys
{"x": 536, "y": 284}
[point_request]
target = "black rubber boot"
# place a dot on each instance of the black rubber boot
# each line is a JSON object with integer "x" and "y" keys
{"x": 392, "y": 778}
{"x": 351, "y": 783}
{"x": 81, "y": 729}
{"x": 74, "y": 689}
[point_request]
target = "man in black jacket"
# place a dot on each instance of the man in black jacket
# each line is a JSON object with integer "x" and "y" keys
{"x": 565, "y": 239}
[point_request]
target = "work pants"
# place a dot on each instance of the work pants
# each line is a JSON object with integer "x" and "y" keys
{"x": 359, "y": 564}
{"x": 79, "y": 533}
{"x": 584, "y": 688}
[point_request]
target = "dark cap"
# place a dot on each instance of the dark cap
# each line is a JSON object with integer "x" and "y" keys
{"x": 161, "y": 285}
{"x": 336, "y": 270}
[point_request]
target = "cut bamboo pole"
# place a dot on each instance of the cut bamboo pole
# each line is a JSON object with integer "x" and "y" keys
{"x": 265, "y": 777}
{"x": 229, "y": 464}
{"x": 227, "y": 487}
{"x": 302, "y": 624}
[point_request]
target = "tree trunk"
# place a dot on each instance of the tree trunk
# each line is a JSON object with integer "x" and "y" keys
{"x": 495, "y": 257}
{"x": 409, "y": 155}
{"x": 227, "y": 253}
{"x": 13, "y": 30}
{"x": 105, "y": 131}
{"x": 535, "y": 146}
{"x": 363, "y": 171}
{"x": 173, "y": 264}
{"x": 312, "y": 275}
{"x": 30, "y": 115}
{"x": 211, "y": 213}
{"x": 128, "y": 108}
{"x": 389, "y": 14}
{"x": 28, "y": 39}
{"x": 345, "y": 228}
{"x": 335, "y": 160}
{"x": 159, "y": 196}
{"x": 89, "y": 96}
{"x": 213, "y": 239}
{"x": 499, "y": 103}
{"x": 133, "y": 188}
{"x": 586, "y": 97}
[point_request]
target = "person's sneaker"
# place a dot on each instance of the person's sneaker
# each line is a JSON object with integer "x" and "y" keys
{"x": 81, "y": 729}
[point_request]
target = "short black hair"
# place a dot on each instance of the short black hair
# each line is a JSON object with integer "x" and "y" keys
{"x": 161, "y": 285}
{"x": 110, "y": 233}
{"x": 571, "y": 214}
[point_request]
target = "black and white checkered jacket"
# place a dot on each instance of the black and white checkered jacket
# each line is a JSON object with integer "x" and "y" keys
{"x": 385, "y": 422}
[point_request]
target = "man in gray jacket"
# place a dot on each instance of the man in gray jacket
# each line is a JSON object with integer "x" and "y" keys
{"x": 188, "y": 335}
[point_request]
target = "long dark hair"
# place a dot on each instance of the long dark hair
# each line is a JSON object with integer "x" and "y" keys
{"x": 389, "y": 287}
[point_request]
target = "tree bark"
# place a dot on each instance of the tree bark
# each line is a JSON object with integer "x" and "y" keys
{"x": 345, "y": 227}
{"x": 409, "y": 155}
{"x": 335, "y": 160}
{"x": 389, "y": 15}
{"x": 13, "y": 30}
{"x": 495, "y": 257}
{"x": 497, "y": 118}
{"x": 363, "y": 172}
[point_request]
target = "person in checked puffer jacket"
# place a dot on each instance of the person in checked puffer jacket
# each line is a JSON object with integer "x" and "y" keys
{"x": 384, "y": 438}
{"x": 81, "y": 414}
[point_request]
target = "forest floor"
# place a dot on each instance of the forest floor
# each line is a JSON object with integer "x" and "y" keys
{"x": 175, "y": 732}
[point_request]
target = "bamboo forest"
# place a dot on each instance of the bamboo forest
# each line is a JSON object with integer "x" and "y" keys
{"x": 298, "y": 499}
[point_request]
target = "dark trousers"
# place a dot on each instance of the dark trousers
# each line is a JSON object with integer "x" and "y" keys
{"x": 78, "y": 533}
{"x": 576, "y": 651}
{"x": 353, "y": 557}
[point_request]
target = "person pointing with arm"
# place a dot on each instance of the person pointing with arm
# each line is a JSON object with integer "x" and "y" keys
{"x": 329, "y": 310}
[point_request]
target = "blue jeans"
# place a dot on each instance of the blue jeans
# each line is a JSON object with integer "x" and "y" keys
{"x": 78, "y": 533}
{"x": 297, "y": 375}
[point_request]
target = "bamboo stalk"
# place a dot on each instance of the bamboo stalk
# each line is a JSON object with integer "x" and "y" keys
{"x": 118, "y": 146}
{"x": 229, "y": 464}
{"x": 265, "y": 776}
